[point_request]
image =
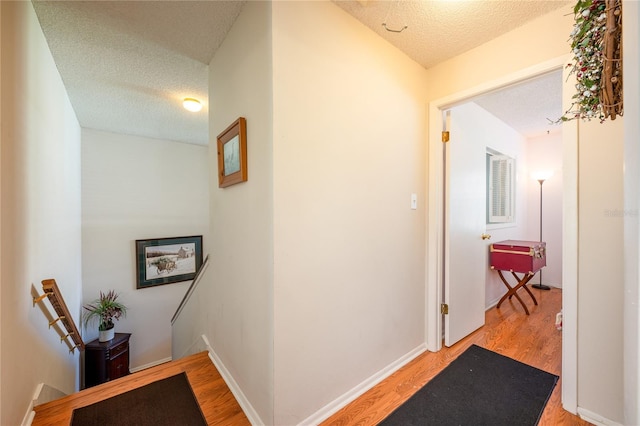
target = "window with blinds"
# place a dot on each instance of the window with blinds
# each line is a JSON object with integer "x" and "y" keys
{"x": 500, "y": 188}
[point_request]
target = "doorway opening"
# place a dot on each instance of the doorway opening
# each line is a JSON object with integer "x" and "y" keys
{"x": 533, "y": 155}
{"x": 499, "y": 143}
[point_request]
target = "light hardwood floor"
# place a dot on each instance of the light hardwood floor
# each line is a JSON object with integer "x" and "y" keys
{"x": 216, "y": 401}
{"x": 532, "y": 339}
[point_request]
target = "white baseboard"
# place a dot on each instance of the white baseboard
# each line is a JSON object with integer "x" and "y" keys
{"x": 335, "y": 405}
{"x": 595, "y": 419}
{"x": 492, "y": 303}
{"x": 30, "y": 414}
{"x": 246, "y": 406}
{"x": 43, "y": 394}
{"x": 28, "y": 418}
{"x": 149, "y": 365}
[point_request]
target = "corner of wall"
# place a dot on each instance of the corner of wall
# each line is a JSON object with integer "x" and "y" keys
{"x": 249, "y": 411}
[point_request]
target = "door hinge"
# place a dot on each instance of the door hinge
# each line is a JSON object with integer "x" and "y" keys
{"x": 444, "y": 309}
{"x": 445, "y": 136}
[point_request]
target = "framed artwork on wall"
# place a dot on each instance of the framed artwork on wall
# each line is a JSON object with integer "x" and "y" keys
{"x": 167, "y": 260}
{"x": 232, "y": 154}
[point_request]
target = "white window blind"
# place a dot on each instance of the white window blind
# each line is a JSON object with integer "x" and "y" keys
{"x": 501, "y": 189}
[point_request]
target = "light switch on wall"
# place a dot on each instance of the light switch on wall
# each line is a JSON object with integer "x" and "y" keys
{"x": 414, "y": 201}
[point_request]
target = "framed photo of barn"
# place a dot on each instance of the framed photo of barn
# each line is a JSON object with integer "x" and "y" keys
{"x": 167, "y": 260}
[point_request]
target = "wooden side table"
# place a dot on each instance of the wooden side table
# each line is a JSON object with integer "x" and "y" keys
{"x": 104, "y": 361}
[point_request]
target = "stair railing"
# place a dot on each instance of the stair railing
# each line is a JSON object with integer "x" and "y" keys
{"x": 192, "y": 287}
{"x": 52, "y": 292}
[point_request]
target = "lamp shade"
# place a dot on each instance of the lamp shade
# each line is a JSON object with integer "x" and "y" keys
{"x": 542, "y": 175}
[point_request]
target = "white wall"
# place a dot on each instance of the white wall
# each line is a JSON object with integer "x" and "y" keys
{"x": 335, "y": 288}
{"x": 545, "y": 153}
{"x": 40, "y": 174}
{"x": 600, "y": 259}
{"x": 139, "y": 188}
{"x": 349, "y": 149}
{"x": 239, "y": 324}
{"x": 631, "y": 309}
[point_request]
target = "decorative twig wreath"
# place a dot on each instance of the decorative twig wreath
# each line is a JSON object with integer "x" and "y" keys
{"x": 597, "y": 60}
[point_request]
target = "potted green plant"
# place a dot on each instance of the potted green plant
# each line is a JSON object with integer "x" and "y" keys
{"x": 104, "y": 309}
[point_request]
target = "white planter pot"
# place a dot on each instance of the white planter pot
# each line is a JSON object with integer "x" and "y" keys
{"x": 106, "y": 335}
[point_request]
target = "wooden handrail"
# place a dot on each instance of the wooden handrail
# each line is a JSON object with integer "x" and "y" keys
{"x": 192, "y": 286}
{"x": 52, "y": 292}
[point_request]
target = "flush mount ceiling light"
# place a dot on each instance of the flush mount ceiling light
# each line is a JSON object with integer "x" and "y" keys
{"x": 191, "y": 104}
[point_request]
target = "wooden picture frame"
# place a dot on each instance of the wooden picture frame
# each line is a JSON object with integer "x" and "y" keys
{"x": 232, "y": 154}
{"x": 167, "y": 260}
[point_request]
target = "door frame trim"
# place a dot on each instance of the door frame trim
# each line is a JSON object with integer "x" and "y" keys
{"x": 435, "y": 215}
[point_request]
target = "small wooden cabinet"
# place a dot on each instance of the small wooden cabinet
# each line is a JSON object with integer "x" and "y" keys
{"x": 104, "y": 361}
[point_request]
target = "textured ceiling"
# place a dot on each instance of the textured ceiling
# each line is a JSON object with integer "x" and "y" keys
{"x": 531, "y": 107}
{"x": 441, "y": 29}
{"x": 128, "y": 64}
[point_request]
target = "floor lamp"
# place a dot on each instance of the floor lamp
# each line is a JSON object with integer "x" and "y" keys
{"x": 541, "y": 177}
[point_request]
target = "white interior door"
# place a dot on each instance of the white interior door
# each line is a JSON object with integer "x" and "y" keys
{"x": 465, "y": 252}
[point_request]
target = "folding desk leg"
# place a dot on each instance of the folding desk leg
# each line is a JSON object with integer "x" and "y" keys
{"x": 527, "y": 278}
{"x": 513, "y": 291}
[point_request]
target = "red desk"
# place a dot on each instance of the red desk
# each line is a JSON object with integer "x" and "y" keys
{"x": 516, "y": 256}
